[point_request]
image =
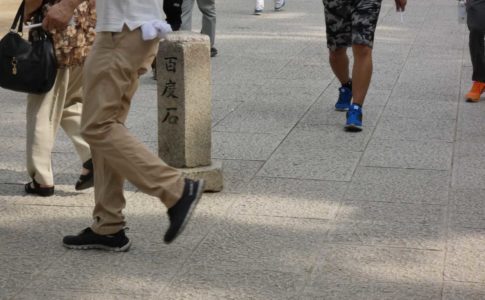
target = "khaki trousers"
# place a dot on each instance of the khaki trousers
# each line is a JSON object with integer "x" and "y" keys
{"x": 111, "y": 78}
{"x": 61, "y": 106}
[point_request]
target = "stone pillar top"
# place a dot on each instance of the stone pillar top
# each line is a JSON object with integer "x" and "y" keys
{"x": 186, "y": 37}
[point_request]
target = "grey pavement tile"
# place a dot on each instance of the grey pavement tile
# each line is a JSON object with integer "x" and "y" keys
{"x": 250, "y": 70}
{"x": 416, "y": 109}
{"x": 12, "y": 282}
{"x": 433, "y": 155}
{"x": 236, "y": 92}
{"x": 12, "y": 102}
{"x": 293, "y": 160}
{"x": 415, "y": 129}
{"x": 425, "y": 51}
{"x": 463, "y": 291}
{"x": 373, "y": 291}
{"x": 384, "y": 76}
{"x": 324, "y": 113}
{"x": 467, "y": 208}
{"x": 399, "y": 185}
{"x": 221, "y": 109}
{"x": 46, "y": 294}
{"x": 468, "y": 168}
{"x": 470, "y": 126}
{"x": 423, "y": 91}
{"x": 35, "y": 232}
{"x": 243, "y": 282}
{"x": 105, "y": 272}
{"x": 414, "y": 226}
{"x": 290, "y": 198}
{"x": 452, "y": 67}
{"x": 262, "y": 118}
{"x": 244, "y": 146}
{"x": 438, "y": 82}
{"x": 237, "y": 173}
{"x": 361, "y": 264}
{"x": 466, "y": 238}
{"x": 262, "y": 243}
{"x": 297, "y": 71}
{"x": 465, "y": 263}
{"x": 323, "y": 137}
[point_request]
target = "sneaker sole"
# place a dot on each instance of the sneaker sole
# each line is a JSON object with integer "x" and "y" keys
{"x": 99, "y": 247}
{"x": 472, "y": 100}
{"x": 200, "y": 191}
{"x": 353, "y": 128}
{"x": 341, "y": 109}
{"x": 281, "y": 7}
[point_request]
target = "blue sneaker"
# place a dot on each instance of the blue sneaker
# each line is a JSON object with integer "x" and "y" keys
{"x": 344, "y": 98}
{"x": 354, "y": 118}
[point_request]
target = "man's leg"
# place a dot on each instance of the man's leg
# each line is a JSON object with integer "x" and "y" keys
{"x": 361, "y": 72}
{"x": 365, "y": 14}
{"x": 477, "y": 55}
{"x": 44, "y": 114}
{"x": 187, "y": 6}
{"x": 71, "y": 115}
{"x": 110, "y": 82}
{"x": 208, "y": 9}
{"x": 338, "y": 27}
{"x": 339, "y": 61}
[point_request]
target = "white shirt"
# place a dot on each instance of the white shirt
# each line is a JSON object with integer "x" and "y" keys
{"x": 112, "y": 15}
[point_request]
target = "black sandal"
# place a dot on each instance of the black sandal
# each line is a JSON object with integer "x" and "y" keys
{"x": 38, "y": 190}
{"x": 86, "y": 181}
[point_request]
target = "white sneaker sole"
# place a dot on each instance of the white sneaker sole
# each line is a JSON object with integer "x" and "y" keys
{"x": 99, "y": 247}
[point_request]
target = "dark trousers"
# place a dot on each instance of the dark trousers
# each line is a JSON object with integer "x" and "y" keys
{"x": 476, "y": 24}
{"x": 477, "y": 53}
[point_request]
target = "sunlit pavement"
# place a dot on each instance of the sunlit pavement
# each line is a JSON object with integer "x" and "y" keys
{"x": 308, "y": 210}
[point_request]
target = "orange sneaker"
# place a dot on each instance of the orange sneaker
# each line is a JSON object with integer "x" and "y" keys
{"x": 475, "y": 92}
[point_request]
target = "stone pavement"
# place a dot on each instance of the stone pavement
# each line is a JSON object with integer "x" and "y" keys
{"x": 308, "y": 211}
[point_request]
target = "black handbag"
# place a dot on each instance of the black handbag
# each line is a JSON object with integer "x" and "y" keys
{"x": 27, "y": 66}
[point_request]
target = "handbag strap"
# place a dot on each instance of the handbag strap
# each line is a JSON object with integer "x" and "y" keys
{"x": 18, "y": 19}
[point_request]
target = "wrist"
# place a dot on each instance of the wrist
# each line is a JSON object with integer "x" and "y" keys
{"x": 72, "y": 4}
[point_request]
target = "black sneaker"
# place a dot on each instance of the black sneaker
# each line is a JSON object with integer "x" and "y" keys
{"x": 88, "y": 239}
{"x": 213, "y": 52}
{"x": 86, "y": 181}
{"x": 181, "y": 212}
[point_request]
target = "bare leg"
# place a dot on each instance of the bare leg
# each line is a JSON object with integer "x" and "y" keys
{"x": 361, "y": 72}
{"x": 339, "y": 61}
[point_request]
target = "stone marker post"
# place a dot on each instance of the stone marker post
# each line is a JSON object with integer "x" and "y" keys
{"x": 185, "y": 107}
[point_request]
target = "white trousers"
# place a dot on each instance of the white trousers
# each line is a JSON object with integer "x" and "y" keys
{"x": 60, "y": 107}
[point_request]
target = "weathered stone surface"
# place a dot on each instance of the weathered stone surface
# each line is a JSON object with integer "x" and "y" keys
{"x": 212, "y": 175}
{"x": 184, "y": 100}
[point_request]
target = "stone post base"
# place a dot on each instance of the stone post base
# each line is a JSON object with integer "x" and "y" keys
{"x": 212, "y": 175}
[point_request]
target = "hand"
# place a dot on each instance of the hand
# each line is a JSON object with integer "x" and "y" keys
{"x": 401, "y": 5}
{"x": 59, "y": 15}
{"x": 30, "y": 7}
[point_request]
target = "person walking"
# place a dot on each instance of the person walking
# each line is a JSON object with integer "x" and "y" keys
{"x": 208, "y": 10}
{"x": 278, "y": 5}
{"x": 476, "y": 25}
{"x": 62, "y": 105}
{"x": 352, "y": 24}
{"x": 173, "y": 16}
{"x": 119, "y": 56}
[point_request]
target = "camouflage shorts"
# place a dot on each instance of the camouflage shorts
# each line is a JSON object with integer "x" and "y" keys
{"x": 351, "y": 22}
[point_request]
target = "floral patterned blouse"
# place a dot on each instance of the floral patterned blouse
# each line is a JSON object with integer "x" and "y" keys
{"x": 72, "y": 45}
